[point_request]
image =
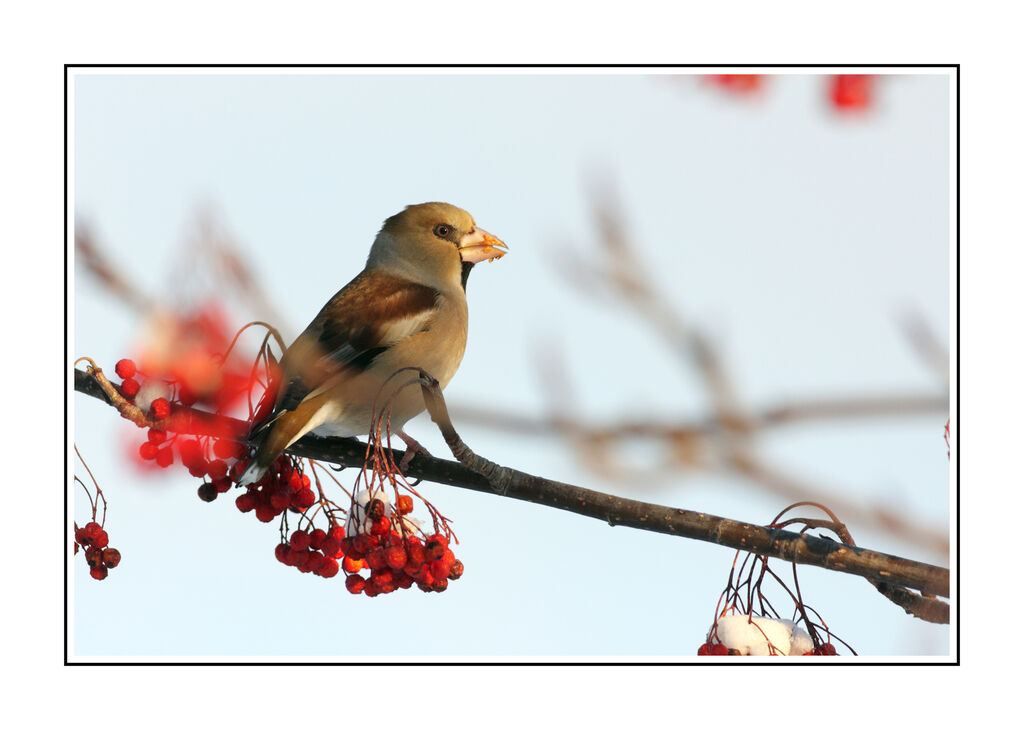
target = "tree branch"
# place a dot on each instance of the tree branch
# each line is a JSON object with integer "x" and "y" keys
{"x": 479, "y": 474}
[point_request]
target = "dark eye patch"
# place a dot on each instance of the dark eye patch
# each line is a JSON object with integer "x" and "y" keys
{"x": 447, "y": 231}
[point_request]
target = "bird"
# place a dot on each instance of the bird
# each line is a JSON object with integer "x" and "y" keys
{"x": 406, "y": 308}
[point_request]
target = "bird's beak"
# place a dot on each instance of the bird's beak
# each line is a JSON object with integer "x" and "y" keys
{"x": 478, "y": 245}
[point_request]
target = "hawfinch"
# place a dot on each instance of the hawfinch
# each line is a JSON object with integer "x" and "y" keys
{"x": 406, "y": 308}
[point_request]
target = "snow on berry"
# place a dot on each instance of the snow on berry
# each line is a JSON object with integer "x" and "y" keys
{"x": 761, "y": 636}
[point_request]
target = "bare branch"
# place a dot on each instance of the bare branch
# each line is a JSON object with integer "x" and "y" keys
{"x": 482, "y": 475}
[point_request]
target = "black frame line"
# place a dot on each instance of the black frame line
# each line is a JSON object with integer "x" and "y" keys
{"x": 582, "y": 663}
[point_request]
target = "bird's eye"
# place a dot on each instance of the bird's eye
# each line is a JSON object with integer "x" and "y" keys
{"x": 442, "y": 230}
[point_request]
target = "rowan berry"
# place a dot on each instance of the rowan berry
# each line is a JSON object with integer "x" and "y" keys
{"x": 396, "y": 557}
{"x": 355, "y": 583}
{"x": 130, "y": 388}
{"x": 404, "y": 504}
{"x": 148, "y": 450}
{"x": 159, "y": 409}
{"x": 329, "y": 568}
{"x": 331, "y": 547}
{"x": 299, "y": 540}
{"x": 125, "y": 368}
{"x": 164, "y": 457}
{"x": 435, "y": 546}
{"x": 375, "y": 509}
{"x": 381, "y": 526}
{"x": 316, "y": 539}
{"x": 111, "y": 557}
{"x": 303, "y": 499}
{"x": 207, "y": 492}
{"x": 265, "y": 513}
{"x": 352, "y": 565}
{"x": 281, "y": 551}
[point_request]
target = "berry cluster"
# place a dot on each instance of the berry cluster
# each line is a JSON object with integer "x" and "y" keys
{"x": 377, "y": 539}
{"x": 94, "y": 540}
{"x": 284, "y": 486}
{"x": 384, "y": 539}
{"x": 313, "y": 551}
{"x": 203, "y": 456}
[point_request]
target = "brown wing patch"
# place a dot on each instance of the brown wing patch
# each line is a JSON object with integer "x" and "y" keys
{"x": 374, "y": 311}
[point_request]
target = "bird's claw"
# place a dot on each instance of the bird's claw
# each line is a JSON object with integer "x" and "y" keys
{"x": 413, "y": 447}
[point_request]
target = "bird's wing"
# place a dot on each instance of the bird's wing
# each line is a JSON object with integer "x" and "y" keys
{"x": 374, "y": 312}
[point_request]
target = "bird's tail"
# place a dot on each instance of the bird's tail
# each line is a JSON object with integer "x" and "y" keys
{"x": 261, "y": 434}
{"x": 255, "y": 471}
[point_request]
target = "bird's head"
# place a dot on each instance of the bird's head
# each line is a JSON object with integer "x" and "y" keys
{"x": 434, "y": 244}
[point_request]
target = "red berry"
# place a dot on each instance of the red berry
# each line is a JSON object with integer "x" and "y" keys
{"x": 331, "y": 547}
{"x": 159, "y": 409}
{"x": 403, "y": 580}
{"x": 299, "y": 540}
{"x": 396, "y": 557}
{"x": 265, "y": 513}
{"x": 404, "y": 504}
{"x": 316, "y": 538}
{"x": 164, "y": 457}
{"x": 376, "y": 559}
{"x": 217, "y": 469}
{"x": 303, "y": 499}
{"x": 738, "y": 83}
{"x": 148, "y": 450}
{"x": 851, "y": 91}
{"x": 227, "y": 449}
{"x": 355, "y": 583}
{"x": 314, "y": 561}
{"x": 435, "y": 546}
{"x": 93, "y": 557}
{"x": 245, "y": 502}
{"x": 99, "y": 572}
{"x": 186, "y": 397}
{"x": 156, "y": 436}
{"x": 417, "y": 553}
{"x": 704, "y": 649}
{"x": 111, "y": 557}
{"x": 375, "y": 509}
{"x": 125, "y": 368}
{"x": 439, "y": 585}
{"x": 222, "y": 485}
{"x": 279, "y": 500}
{"x": 719, "y": 650}
{"x": 352, "y": 565}
{"x": 207, "y": 492}
{"x": 381, "y": 526}
{"x": 827, "y": 650}
{"x": 130, "y": 388}
{"x": 101, "y": 539}
{"x": 456, "y": 571}
{"x": 382, "y": 577}
{"x": 281, "y": 551}
{"x": 328, "y": 569}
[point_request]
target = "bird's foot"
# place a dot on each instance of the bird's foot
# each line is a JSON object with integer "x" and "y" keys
{"x": 413, "y": 447}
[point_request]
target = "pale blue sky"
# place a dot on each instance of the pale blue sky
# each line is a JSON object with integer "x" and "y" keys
{"x": 794, "y": 235}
